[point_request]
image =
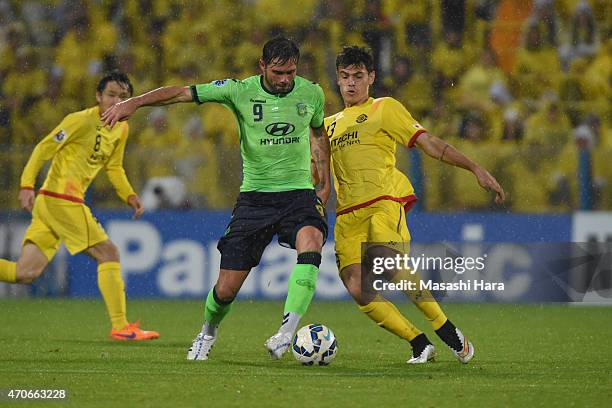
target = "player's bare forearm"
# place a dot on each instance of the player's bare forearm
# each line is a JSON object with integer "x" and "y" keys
{"x": 320, "y": 150}
{"x": 440, "y": 150}
{"x": 166, "y": 95}
{"x": 161, "y": 96}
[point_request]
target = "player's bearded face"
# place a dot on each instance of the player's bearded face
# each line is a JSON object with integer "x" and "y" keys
{"x": 113, "y": 93}
{"x": 279, "y": 77}
{"x": 354, "y": 82}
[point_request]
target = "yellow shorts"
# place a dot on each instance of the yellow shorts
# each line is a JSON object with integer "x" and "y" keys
{"x": 55, "y": 220}
{"x": 383, "y": 221}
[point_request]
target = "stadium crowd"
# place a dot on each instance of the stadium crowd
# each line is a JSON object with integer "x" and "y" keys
{"x": 520, "y": 86}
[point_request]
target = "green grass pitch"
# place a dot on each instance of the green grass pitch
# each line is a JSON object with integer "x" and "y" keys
{"x": 525, "y": 356}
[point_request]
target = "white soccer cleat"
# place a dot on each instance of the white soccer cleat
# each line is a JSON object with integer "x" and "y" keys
{"x": 428, "y": 354}
{"x": 200, "y": 348}
{"x": 278, "y": 344}
{"x": 467, "y": 352}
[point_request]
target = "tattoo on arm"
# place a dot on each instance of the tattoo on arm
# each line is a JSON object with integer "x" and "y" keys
{"x": 319, "y": 145}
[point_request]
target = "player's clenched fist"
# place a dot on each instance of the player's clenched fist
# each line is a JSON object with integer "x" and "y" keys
{"x": 136, "y": 204}
{"x": 26, "y": 199}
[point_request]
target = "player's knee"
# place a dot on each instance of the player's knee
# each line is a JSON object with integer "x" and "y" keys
{"x": 108, "y": 252}
{"x": 310, "y": 239}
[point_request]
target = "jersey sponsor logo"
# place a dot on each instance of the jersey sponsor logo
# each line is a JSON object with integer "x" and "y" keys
{"x": 280, "y": 140}
{"x": 302, "y": 110}
{"x": 60, "y": 136}
{"x": 417, "y": 126}
{"x": 361, "y": 118}
{"x": 220, "y": 82}
{"x": 280, "y": 129}
{"x": 347, "y": 139}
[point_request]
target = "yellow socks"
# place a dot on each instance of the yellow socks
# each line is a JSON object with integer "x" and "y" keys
{"x": 387, "y": 316}
{"x": 112, "y": 288}
{"x": 423, "y": 299}
{"x": 8, "y": 271}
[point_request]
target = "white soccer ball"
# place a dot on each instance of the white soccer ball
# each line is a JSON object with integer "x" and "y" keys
{"x": 314, "y": 344}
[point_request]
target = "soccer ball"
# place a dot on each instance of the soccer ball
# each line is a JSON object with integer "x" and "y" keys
{"x": 314, "y": 344}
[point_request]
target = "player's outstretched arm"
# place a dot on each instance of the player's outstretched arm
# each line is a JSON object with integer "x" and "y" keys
{"x": 440, "y": 150}
{"x": 161, "y": 96}
{"x": 320, "y": 151}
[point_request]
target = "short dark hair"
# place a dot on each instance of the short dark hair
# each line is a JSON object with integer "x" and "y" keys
{"x": 357, "y": 56}
{"x": 118, "y": 77}
{"x": 282, "y": 49}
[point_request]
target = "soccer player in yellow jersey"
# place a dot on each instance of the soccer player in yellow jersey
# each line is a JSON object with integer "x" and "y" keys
{"x": 79, "y": 147}
{"x": 373, "y": 196}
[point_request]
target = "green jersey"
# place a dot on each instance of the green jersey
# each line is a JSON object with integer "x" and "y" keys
{"x": 274, "y": 129}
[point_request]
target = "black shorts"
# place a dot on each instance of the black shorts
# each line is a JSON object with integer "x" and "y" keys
{"x": 257, "y": 217}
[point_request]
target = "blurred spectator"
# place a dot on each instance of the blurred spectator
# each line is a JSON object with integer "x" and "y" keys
{"x": 453, "y": 16}
{"x": 274, "y": 15}
{"x": 573, "y": 91}
{"x": 411, "y": 21}
{"x": 375, "y": 28}
{"x": 80, "y": 54}
{"x": 51, "y": 107}
{"x": 549, "y": 160}
{"x": 15, "y": 38}
{"x": 513, "y": 130}
{"x": 548, "y": 128}
{"x": 537, "y": 66}
{"x": 598, "y": 82}
{"x": 155, "y": 146}
{"x": 476, "y": 83}
{"x": 150, "y": 55}
{"x": 412, "y": 88}
{"x": 472, "y": 128}
{"x": 583, "y": 40}
{"x": 499, "y": 103}
{"x": 467, "y": 194}
{"x": 21, "y": 88}
{"x": 197, "y": 164}
{"x": 334, "y": 20}
{"x": 449, "y": 61}
{"x": 544, "y": 17}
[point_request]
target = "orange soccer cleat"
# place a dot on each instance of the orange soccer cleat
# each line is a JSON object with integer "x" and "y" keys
{"x": 132, "y": 332}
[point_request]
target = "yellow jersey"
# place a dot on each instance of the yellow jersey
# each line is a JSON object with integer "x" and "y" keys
{"x": 363, "y": 142}
{"x": 79, "y": 147}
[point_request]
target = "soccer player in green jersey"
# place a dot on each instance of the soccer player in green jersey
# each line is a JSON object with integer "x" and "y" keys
{"x": 275, "y": 112}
